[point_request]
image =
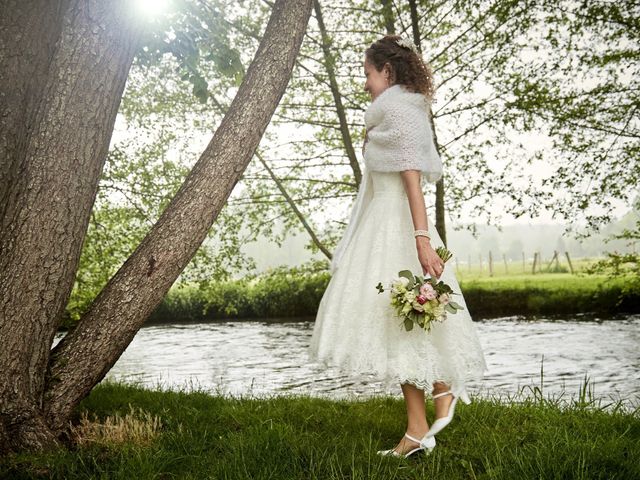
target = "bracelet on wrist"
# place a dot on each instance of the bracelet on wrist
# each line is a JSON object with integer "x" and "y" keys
{"x": 422, "y": 233}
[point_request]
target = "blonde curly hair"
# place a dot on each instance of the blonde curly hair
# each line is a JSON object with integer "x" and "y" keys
{"x": 407, "y": 66}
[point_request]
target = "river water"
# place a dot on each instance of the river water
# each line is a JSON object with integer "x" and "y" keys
{"x": 264, "y": 358}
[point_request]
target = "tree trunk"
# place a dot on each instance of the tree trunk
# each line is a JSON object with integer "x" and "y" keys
{"x": 329, "y": 62}
{"x": 294, "y": 207}
{"x": 388, "y": 17}
{"x": 440, "y": 220}
{"x": 32, "y": 27}
{"x": 439, "y": 200}
{"x": 62, "y": 119}
{"x": 87, "y": 353}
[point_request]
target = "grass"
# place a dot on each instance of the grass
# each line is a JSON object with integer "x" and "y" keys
{"x": 515, "y": 268}
{"x": 548, "y": 282}
{"x": 548, "y": 294}
{"x": 196, "y": 435}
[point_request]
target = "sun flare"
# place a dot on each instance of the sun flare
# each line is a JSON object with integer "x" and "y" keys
{"x": 152, "y": 8}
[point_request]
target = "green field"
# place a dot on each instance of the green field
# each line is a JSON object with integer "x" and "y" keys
{"x": 133, "y": 433}
{"x": 515, "y": 268}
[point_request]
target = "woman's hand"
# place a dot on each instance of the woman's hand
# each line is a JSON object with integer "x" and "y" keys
{"x": 431, "y": 263}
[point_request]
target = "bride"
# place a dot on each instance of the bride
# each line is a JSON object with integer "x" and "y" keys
{"x": 357, "y": 329}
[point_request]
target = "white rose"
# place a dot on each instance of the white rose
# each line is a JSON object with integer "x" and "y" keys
{"x": 416, "y": 305}
{"x": 399, "y": 285}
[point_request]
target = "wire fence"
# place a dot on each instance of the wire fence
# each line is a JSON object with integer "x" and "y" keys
{"x": 498, "y": 264}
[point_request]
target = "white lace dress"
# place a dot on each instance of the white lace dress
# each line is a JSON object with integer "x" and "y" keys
{"x": 356, "y": 328}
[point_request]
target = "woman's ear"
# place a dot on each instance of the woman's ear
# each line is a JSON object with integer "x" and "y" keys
{"x": 388, "y": 71}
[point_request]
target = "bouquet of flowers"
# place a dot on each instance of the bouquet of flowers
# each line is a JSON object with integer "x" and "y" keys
{"x": 421, "y": 301}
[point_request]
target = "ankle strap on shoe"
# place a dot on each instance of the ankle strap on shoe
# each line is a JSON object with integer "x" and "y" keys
{"x": 412, "y": 439}
{"x": 443, "y": 393}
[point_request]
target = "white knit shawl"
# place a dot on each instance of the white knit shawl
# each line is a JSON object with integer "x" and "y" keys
{"x": 399, "y": 134}
{"x": 399, "y": 138}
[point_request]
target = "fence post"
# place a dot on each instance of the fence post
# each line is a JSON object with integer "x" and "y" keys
{"x": 506, "y": 268}
{"x": 490, "y": 264}
{"x": 569, "y": 260}
{"x": 535, "y": 259}
{"x": 555, "y": 257}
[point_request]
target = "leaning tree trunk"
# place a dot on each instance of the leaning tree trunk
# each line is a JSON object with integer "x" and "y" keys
{"x": 59, "y": 113}
{"x": 87, "y": 353}
{"x": 330, "y": 65}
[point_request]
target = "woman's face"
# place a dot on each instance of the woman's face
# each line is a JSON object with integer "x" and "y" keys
{"x": 377, "y": 82}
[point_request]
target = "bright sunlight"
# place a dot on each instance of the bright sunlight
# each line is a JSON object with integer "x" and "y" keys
{"x": 152, "y": 8}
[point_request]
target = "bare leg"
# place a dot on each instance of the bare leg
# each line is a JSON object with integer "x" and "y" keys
{"x": 442, "y": 403}
{"x": 417, "y": 425}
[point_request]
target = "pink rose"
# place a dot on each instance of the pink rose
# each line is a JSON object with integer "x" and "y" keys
{"x": 444, "y": 298}
{"x": 428, "y": 291}
{"x": 421, "y": 299}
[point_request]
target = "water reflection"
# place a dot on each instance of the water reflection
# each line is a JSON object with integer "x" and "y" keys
{"x": 266, "y": 357}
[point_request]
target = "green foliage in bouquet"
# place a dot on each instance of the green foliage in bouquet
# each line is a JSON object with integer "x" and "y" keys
{"x": 419, "y": 304}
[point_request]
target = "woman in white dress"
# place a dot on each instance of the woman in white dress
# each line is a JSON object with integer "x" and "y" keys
{"x": 356, "y": 328}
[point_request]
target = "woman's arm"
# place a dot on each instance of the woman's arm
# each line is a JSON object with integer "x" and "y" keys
{"x": 429, "y": 259}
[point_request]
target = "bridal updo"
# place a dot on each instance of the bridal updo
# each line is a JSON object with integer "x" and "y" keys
{"x": 407, "y": 66}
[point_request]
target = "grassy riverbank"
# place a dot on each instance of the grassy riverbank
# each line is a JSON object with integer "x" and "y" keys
{"x": 548, "y": 294}
{"x": 298, "y": 295}
{"x": 296, "y": 292}
{"x": 199, "y": 436}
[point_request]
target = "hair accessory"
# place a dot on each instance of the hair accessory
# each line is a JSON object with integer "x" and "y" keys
{"x": 403, "y": 42}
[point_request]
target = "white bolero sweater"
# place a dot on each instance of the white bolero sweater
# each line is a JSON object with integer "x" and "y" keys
{"x": 399, "y": 134}
{"x": 399, "y": 138}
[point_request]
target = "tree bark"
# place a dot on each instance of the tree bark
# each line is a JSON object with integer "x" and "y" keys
{"x": 61, "y": 111}
{"x": 87, "y": 353}
{"x": 32, "y": 27}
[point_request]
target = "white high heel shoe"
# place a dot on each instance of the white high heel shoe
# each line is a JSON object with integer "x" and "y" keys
{"x": 426, "y": 443}
{"x": 442, "y": 422}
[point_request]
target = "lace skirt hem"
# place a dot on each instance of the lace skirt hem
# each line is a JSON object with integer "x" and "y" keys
{"x": 424, "y": 382}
